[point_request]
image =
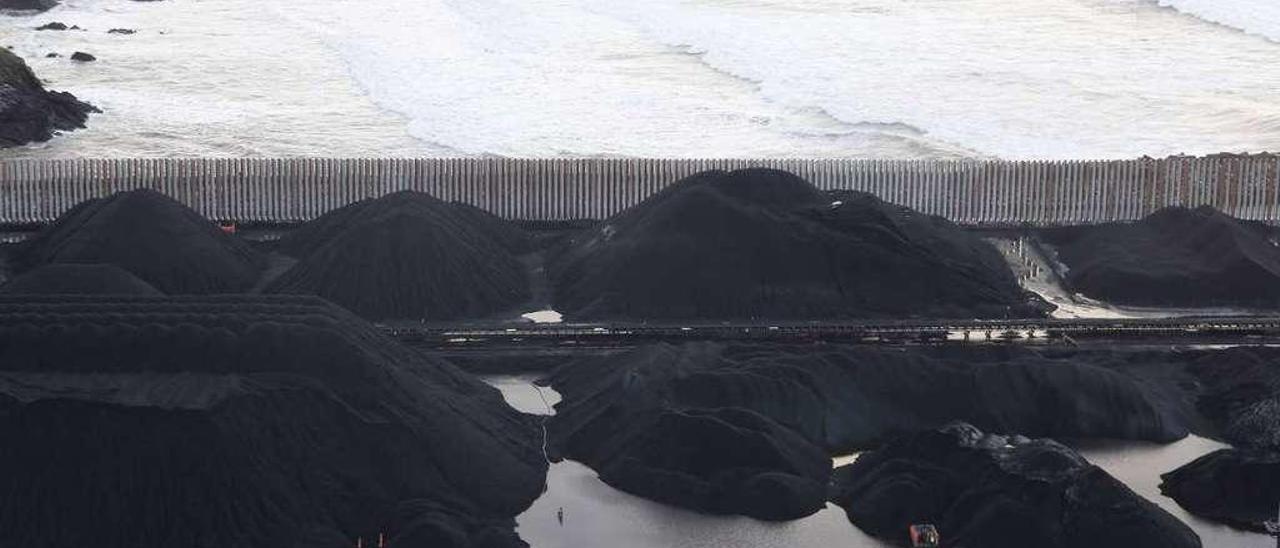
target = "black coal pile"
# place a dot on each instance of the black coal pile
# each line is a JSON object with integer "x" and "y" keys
{"x": 28, "y": 112}
{"x": 78, "y": 279}
{"x": 720, "y": 460}
{"x": 1239, "y": 392}
{"x": 760, "y": 243}
{"x": 151, "y": 235}
{"x": 995, "y": 492}
{"x": 408, "y": 255}
{"x": 245, "y": 421}
{"x": 846, "y": 398}
{"x": 1239, "y": 488}
{"x": 1173, "y": 257}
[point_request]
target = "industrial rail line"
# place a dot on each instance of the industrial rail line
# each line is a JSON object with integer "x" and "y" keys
{"x": 1191, "y": 330}
{"x": 967, "y": 191}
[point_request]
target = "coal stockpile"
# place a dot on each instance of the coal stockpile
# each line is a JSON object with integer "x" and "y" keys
{"x": 846, "y": 398}
{"x": 1238, "y": 487}
{"x": 29, "y": 112}
{"x": 1173, "y": 257}
{"x": 78, "y": 279}
{"x": 995, "y": 492}
{"x": 408, "y": 256}
{"x": 758, "y": 244}
{"x": 152, "y": 236}
{"x": 1239, "y": 393}
{"x": 245, "y": 421}
{"x": 719, "y": 460}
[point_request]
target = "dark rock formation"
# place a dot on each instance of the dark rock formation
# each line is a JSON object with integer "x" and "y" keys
{"x": 27, "y": 5}
{"x": 78, "y": 279}
{"x": 122, "y": 31}
{"x": 52, "y": 55}
{"x": 245, "y": 421}
{"x": 1239, "y": 488}
{"x": 765, "y": 244}
{"x": 152, "y": 236}
{"x": 1174, "y": 257}
{"x": 996, "y": 492}
{"x": 408, "y": 255}
{"x": 30, "y": 113}
{"x": 851, "y": 397}
{"x": 82, "y": 57}
{"x": 55, "y": 25}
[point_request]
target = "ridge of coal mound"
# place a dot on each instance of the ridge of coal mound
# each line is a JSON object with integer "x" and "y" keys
{"x": 1173, "y": 257}
{"x": 846, "y": 398}
{"x": 29, "y": 112}
{"x": 78, "y": 279}
{"x": 1231, "y": 486}
{"x": 758, "y": 243}
{"x": 151, "y": 235}
{"x": 995, "y": 492}
{"x": 408, "y": 255}
{"x": 238, "y": 420}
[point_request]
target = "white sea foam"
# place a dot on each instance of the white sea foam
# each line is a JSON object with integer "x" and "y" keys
{"x": 902, "y": 78}
{"x": 1257, "y": 17}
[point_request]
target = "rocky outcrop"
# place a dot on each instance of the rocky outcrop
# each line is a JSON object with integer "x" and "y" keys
{"x": 996, "y": 492}
{"x": 759, "y": 243}
{"x": 30, "y": 113}
{"x": 26, "y": 5}
{"x": 408, "y": 255}
{"x": 1173, "y": 257}
{"x": 78, "y": 279}
{"x": 83, "y": 57}
{"x": 245, "y": 421}
{"x": 1235, "y": 487}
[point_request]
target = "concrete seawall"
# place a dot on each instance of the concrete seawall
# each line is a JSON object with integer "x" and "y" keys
{"x": 970, "y": 192}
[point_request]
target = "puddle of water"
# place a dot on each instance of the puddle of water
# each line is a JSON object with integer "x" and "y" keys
{"x": 596, "y": 514}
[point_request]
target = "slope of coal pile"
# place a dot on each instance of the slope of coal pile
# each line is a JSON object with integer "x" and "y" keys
{"x": 996, "y": 492}
{"x": 1239, "y": 488}
{"x": 850, "y": 397}
{"x": 1240, "y": 393}
{"x": 152, "y": 236}
{"x": 408, "y": 255}
{"x": 245, "y": 421}
{"x": 766, "y": 244}
{"x": 28, "y": 112}
{"x": 78, "y": 279}
{"x": 1173, "y": 257}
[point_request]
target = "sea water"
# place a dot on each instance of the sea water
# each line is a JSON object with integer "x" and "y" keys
{"x": 679, "y": 78}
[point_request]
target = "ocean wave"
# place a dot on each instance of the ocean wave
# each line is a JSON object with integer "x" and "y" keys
{"x": 1256, "y": 17}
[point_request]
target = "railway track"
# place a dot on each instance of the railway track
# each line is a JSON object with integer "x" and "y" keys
{"x": 1189, "y": 330}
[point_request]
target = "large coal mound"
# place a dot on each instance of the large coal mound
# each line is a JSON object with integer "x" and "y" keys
{"x": 245, "y": 421}
{"x": 1173, "y": 257}
{"x": 78, "y": 279}
{"x": 1239, "y": 488}
{"x": 152, "y": 236}
{"x": 846, "y": 398}
{"x": 996, "y": 492}
{"x": 29, "y": 112}
{"x": 714, "y": 459}
{"x": 760, "y": 243}
{"x": 408, "y": 255}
